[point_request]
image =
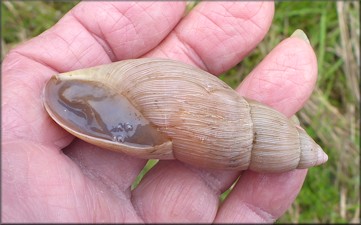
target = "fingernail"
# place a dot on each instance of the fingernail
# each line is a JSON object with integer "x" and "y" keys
{"x": 295, "y": 119}
{"x": 301, "y": 35}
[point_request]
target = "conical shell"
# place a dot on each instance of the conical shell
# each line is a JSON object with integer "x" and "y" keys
{"x": 177, "y": 111}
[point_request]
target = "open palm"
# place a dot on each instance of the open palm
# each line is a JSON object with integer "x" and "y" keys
{"x": 50, "y": 176}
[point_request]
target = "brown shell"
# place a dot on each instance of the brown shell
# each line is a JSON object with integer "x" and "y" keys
{"x": 176, "y": 111}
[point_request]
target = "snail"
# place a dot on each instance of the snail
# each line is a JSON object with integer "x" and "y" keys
{"x": 155, "y": 108}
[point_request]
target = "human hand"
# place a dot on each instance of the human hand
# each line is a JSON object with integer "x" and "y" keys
{"x": 48, "y": 176}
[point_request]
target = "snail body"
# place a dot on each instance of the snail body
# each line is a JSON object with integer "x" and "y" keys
{"x": 164, "y": 109}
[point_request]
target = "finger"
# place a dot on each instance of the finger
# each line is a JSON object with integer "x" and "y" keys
{"x": 290, "y": 68}
{"x": 95, "y": 33}
{"x": 285, "y": 79}
{"x": 176, "y": 192}
{"x": 261, "y": 198}
{"x": 129, "y": 29}
{"x": 92, "y": 33}
{"x": 116, "y": 171}
{"x": 24, "y": 117}
{"x": 215, "y": 36}
{"x": 42, "y": 185}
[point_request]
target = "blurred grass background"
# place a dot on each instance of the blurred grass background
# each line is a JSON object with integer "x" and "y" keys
{"x": 331, "y": 193}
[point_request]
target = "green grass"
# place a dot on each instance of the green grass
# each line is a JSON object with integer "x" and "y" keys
{"x": 331, "y": 192}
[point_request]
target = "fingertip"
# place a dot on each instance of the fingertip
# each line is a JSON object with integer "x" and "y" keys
{"x": 301, "y": 35}
{"x": 285, "y": 78}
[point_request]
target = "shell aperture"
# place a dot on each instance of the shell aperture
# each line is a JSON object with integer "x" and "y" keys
{"x": 94, "y": 109}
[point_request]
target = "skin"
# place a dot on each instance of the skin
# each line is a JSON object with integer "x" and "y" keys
{"x": 49, "y": 176}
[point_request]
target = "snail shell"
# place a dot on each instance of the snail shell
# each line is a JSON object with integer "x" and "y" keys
{"x": 165, "y": 109}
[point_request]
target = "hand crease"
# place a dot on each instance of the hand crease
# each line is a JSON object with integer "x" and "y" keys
{"x": 105, "y": 45}
{"x": 69, "y": 48}
{"x": 130, "y": 23}
{"x": 209, "y": 18}
{"x": 191, "y": 53}
{"x": 30, "y": 57}
{"x": 207, "y": 178}
{"x": 260, "y": 212}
